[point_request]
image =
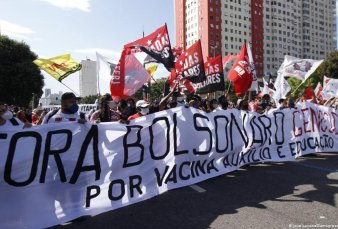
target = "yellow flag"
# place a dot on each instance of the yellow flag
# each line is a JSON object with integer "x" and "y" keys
{"x": 59, "y": 67}
{"x": 152, "y": 69}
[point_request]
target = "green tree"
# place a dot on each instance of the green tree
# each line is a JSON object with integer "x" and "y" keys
{"x": 156, "y": 90}
{"x": 20, "y": 78}
{"x": 88, "y": 99}
{"x": 329, "y": 67}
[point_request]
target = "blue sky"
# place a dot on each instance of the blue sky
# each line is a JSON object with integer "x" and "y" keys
{"x": 82, "y": 27}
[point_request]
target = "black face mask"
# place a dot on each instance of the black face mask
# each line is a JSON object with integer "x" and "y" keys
{"x": 72, "y": 109}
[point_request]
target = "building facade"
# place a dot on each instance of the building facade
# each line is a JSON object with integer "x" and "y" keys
{"x": 88, "y": 78}
{"x": 50, "y": 99}
{"x": 301, "y": 28}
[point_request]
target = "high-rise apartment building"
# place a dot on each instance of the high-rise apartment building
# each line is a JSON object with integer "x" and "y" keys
{"x": 301, "y": 28}
{"x": 88, "y": 78}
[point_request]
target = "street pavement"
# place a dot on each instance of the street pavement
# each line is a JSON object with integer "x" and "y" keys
{"x": 297, "y": 194}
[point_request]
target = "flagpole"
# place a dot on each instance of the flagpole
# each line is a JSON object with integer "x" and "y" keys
{"x": 296, "y": 89}
{"x": 228, "y": 87}
{"x": 70, "y": 88}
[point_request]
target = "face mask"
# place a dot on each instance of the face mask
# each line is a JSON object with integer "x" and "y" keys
{"x": 180, "y": 99}
{"x": 111, "y": 104}
{"x": 7, "y": 115}
{"x": 73, "y": 108}
{"x": 144, "y": 111}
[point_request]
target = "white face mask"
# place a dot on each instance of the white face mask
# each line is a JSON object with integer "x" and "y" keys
{"x": 111, "y": 104}
{"x": 144, "y": 111}
{"x": 179, "y": 99}
{"x": 7, "y": 115}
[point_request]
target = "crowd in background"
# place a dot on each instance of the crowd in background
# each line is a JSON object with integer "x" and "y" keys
{"x": 129, "y": 109}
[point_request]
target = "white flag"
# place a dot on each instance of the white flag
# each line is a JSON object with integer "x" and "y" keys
{"x": 330, "y": 89}
{"x": 282, "y": 88}
{"x": 325, "y": 80}
{"x": 135, "y": 75}
{"x": 254, "y": 84}
{"x": 298, "y": 68}
{"x": 318, "y": 89}
{"x": 104, "y": 69}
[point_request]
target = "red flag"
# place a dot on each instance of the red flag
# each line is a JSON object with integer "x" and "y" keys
{"x": 157, "y": 45}
{"x": 309, "y": 93}
{"x": 117, "y": 80}
{"x": 190, "y": 64}
{"x": 240, "y": 73}
{"x": 128, "y": 76}
{"x": 188, "y": 85}
{"x": 172, "y": 78}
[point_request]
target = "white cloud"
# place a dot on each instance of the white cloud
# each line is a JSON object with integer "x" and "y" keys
{"x": 83, "y": 5}
{"x": 115, "y": 56}
{"x": 14, "y": 30}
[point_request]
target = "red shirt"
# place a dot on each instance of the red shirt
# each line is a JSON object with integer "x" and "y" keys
{"x": 134, "y": 116}
{"x": 35, "y": 119}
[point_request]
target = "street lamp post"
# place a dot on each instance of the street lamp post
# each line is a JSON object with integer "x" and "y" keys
{"x": 214, "y": 54}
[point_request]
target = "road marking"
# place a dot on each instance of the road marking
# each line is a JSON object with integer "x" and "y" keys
{"x": 197, "y": 188}
{"x": 315, "y": 167}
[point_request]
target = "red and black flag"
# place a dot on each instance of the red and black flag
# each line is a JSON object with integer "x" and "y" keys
{"x": 190, "y": 65}
{"x": 214, "y": 78}
{"x": 157, "y": 46}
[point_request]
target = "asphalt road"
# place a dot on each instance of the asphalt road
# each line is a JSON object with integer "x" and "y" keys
{"x": 278, "y": 195}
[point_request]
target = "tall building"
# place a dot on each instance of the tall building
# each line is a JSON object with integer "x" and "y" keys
{"x": 196, "y": 19}
{"x": 301, "y": 28}
{"x": 88, "y": 78}
{"x": 319, "y": 28}
{"x": 282, "y": 33}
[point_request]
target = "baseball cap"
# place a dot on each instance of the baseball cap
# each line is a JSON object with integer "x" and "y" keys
{"x": 68, "y": 95}
{"x": 142, "y": 103}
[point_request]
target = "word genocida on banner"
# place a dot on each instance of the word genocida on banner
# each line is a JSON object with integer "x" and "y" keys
{"x": 235, "y": 137}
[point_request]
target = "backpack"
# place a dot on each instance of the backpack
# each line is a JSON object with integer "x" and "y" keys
{"x": 14, "y": 122}
{"x": 52, "y": 114}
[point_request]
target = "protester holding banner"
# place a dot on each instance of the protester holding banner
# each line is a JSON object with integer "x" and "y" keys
{"x": 142, "y": 110}
{"x": 212, "y": 105}
{"x": 173, "y": 99}
{"x": 7, "y": 119}
{"x": 37, "y": 116}
{"x": 67, "y": 113}
{"x": 122, "y": 108}
{"x": 107, "y": 111}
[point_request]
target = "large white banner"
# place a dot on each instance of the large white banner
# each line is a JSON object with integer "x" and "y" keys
{"x": 54, "y": 173}
{"x": 84, "y": 108}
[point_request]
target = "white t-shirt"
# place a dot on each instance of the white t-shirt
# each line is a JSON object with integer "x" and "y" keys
{"x": 8, "y": 124}
{"x": 218, "y": 109}
{"x": 61, "y": 117}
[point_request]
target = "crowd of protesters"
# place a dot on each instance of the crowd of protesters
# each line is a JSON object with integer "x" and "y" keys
{"x": 129, "y": 109}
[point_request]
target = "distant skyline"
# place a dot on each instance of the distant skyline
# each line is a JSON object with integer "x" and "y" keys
{"x": 83, "y": 27}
